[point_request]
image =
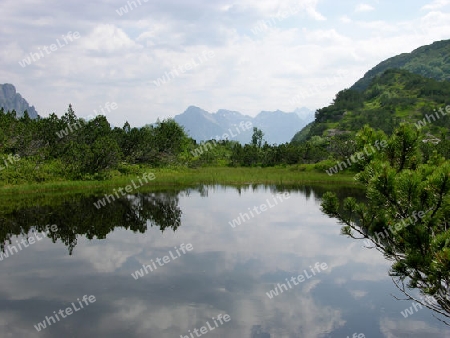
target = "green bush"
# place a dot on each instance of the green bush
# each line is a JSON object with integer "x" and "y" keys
{"x": 325, "y": 165}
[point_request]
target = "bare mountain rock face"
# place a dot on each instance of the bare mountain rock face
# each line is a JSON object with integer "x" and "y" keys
{"x": 11, "y": 100}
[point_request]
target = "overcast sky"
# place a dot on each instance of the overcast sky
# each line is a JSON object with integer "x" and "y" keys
{"x": 304, "y": 53}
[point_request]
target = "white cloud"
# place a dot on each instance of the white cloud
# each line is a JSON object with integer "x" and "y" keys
{"x": 117, "y": 58}
{"x": 364, "y": 8}
{"x": 345, "y": 19}
{"x": 437, "y": 4}
{"x": 313, "y": 13}
{"x": 379, "y": 26}
{"x": 107, "y": 38}
{"x": 434, "y": 26}
{"x": 326, "y": 35}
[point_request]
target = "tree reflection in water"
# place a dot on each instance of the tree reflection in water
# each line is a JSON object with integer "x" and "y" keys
{"x": 77, "y": 216}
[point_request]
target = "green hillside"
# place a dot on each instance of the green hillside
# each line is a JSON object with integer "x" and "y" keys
{"x": 431, "y": 61}
{"x": 394, "y": 97}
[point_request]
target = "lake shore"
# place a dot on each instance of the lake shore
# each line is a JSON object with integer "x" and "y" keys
{"x": 181, "y": 177}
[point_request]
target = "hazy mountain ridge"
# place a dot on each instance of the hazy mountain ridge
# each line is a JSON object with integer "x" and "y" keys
{"x": 278, "y": 126}
{"x": 11, "y": 100}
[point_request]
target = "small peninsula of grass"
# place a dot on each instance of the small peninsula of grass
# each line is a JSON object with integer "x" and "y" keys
{"x": 181, "y": 177}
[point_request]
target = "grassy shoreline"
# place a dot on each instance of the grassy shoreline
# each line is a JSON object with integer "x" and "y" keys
{"x": 181, "y": 177}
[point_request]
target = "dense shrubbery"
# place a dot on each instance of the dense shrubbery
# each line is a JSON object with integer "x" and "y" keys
{"x": 70, "y": 148}
{"x": 393, "y": 97}
{"x": 73, "y": 148}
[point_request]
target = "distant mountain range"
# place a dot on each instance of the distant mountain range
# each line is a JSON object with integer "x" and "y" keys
{"x": 278, "y": 127}
{"x": 11, "y": 100}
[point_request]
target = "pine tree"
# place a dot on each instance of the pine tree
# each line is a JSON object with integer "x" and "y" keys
{"x": 407, "y": 213}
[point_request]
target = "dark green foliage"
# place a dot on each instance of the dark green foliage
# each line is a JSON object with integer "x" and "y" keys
{"x": 430, "y": 61}
{"x": 403, "y": 184}
{"x": 391, "y": 98}
{"x": 250, "y": 155}
{"x": 257, "y": 137}
{"x": 345, "y": 100}
{"x": 213, "y": 153}
{"x": 71, "y": 148}
{"x": 79, "y": 149}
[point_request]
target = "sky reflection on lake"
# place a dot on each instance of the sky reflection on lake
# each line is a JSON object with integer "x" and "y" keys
{"x": 229, "y": 271}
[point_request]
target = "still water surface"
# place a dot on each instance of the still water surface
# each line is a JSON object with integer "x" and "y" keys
{"x": 203, "y": 277}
